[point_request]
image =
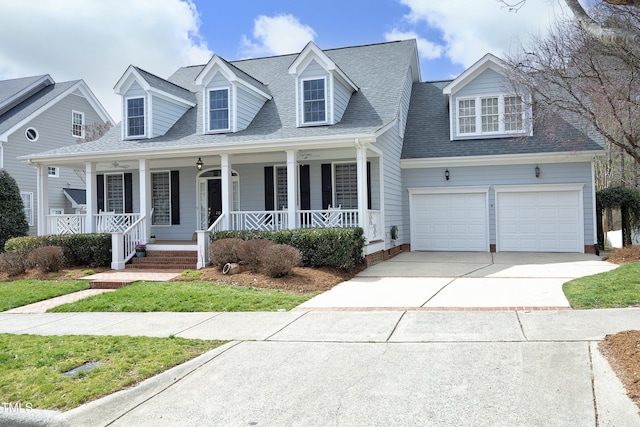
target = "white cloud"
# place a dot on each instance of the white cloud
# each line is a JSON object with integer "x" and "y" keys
{"x": 277, "y": 35}
{"x": 97, "y": 40}
{"x": 470, "y": 29}
{"x": 426, "y": 49}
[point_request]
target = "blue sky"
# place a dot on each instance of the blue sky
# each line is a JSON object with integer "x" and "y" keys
{"x": 97, "y": 40}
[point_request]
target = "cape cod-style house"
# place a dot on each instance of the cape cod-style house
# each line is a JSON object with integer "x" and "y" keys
{"x": 333, "y": 138}
{"x": 37, "y": 114}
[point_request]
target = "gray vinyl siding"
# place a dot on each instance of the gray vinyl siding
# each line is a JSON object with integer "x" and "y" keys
{"x": 341, "y": 95}
{"x": 394, "y": 198}
{"x": 552, "y": 173}
{"x": 54, "y": 130}
{"x": 405, "y": 101}
{"x": 313, "y": 71}
{"x": 248, "y": 105}
{"x": 164, "y": 114}
{"x": 216, "y": 83}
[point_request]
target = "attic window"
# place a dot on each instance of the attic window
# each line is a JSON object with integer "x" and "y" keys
{"x": 77, "y": 124}
{"x": 314, "y": 101}
{"x": 219, "y": 109}
{"x": 493, "y": 115}
{"x": 31, "y": 134}
{"x": 135, "y": 117}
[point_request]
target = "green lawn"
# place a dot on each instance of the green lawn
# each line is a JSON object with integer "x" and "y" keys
{"x": 32, "y": 367}
{"x": 23, "y": 292}
{"x": 186, "y": 297}
{"x": 615, "y": 288}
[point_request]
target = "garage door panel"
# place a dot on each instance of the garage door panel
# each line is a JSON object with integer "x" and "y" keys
{"x": 539, "y": 221}
{"x": 450, "y": 222}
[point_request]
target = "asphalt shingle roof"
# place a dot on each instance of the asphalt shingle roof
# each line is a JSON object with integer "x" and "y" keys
{"x": 427, "y": 133}
{"x": 166, "y": 86}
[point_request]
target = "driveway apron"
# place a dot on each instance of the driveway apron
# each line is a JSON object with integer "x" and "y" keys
{"x": 462, "y": 280}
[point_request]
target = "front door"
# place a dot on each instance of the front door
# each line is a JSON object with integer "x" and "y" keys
{"x": 214, "y": 202}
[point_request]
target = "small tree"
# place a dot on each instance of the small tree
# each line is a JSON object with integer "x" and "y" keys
{"x": 13, "y": 222}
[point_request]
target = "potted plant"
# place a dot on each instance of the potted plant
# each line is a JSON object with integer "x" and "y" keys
{"x": 141, "y": 250}
{"x": 152, "y": 239}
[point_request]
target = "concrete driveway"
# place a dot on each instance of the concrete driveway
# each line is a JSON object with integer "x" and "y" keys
{"x": 462, "y": 280}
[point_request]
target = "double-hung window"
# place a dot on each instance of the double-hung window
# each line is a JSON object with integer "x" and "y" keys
{"x": 219, "y": 109}
{"x": 161, "y": 198}
{"x": 503, "y": 114}
{"x": 114, "y": 193}
{"x": 467, "y": 116}
{"x": 490, "y": 116}
{"x": 314, "y": 101}
{"x": 346, "y": 185}
{"x": 77, "y": 124}
{"x": 281, "y": 188}
{"x": 513, "y": 114}
{"x": 27, "y": 201}
{"x": 135, "y": 117}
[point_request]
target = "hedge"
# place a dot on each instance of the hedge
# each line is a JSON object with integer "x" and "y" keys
{"x": 93, "y": 250}
{"x": 320, "y": 247}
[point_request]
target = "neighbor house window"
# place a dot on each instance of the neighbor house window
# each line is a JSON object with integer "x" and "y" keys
{"x": 346, "y": 185}
{"x": 161, "y": 198}
{"x": 31, "y": 134}
{"x": 77, "y": 124}
{"x": 56, "y": 211}
{"x": 53, "y": 171}
{"x": 114, "y": 193}
{"x": 513, "y": 114}
{"x": 27, "y": 201}
{"x": 314, "y": 101}
{"x": 219, "y": 109}
{"x": 135, "y": 117}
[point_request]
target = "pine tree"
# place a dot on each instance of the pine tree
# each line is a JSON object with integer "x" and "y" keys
{"x": 13, "y": 221}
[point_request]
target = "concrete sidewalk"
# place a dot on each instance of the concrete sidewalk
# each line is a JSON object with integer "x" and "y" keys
{"x": 361, "y": 368}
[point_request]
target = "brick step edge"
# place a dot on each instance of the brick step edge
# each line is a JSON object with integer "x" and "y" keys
{"x": 154, "y": 254}
{"x": 168, "y": 260}
{"x": 108, "y": 285}
{"x": 154, "y": 266}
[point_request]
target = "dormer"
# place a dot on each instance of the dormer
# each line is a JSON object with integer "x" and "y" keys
{"x": 484, "y": 104}
{"x": 230, "y": 97}
{"x": 150, "y": 104}
{"x": 323, "y": 90}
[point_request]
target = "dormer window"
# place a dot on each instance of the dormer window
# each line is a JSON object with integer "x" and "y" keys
{"x": 314, "y": 99}
{"x": 135, "y": 117}
{"x": 490, "y": 115}
{"x": 218, "y": 110}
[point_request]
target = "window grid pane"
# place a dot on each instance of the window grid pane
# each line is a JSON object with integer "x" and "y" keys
{"x": 27, "y": 201}
{"x": 135, "y": 116}
{"x": 314, "y": 101}
{"x": 467, "y": 115}
{"x": 161, "y": 198}
{"x": 346, "y": 176}
{"x": 281, "y": 188}
{"x": 77, "y": 124}
{"x": 52, "y": 171}
{"x": 513, "y": 110}
{"x": 489, "y": 115}
{"x": 114, "y": 200}
{"x": 219, "y": 109}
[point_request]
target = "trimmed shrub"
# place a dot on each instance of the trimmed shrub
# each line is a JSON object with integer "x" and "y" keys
{"x": 13, "y": 222}
{"x": 279, "y": 260}
{"x": 93, "y": 250}
{"x": 250, "y": 253}
{"x": 332, "y": 247}
{"x": 14, "y": 263}
{"x": 46, "y": 259}
{"x": 224, "y": 251}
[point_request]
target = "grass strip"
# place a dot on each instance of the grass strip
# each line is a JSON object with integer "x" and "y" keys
{"x": 23, "y": 292}
{"x": 32, "y": 366}
{"x": 186, "y": 297}
{"x": 615, "y": 288}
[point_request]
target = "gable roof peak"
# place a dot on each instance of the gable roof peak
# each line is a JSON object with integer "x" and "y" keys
{"x": 312, "y": 51}
{"x": 231, "y": 73}
{"x": 488, "y": 61}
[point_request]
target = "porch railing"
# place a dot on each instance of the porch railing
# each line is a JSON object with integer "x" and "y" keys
{"x": 110, "y": 222}
{"x": 217, "y": 225}
{"x": 65, "y": 224}
{"x": 343, "y": 218}
{"x": 123, "y": 243}
{"x": 259, "y": 220}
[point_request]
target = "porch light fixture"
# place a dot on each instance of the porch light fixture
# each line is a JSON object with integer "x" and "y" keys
{"x": 537, "y": 172}
{"x": 446, "y": 174}
{"x": 199, "y": 163}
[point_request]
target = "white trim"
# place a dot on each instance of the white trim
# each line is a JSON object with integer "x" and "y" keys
{"x": 541, "y": 188}
{"x": 501, "y": 159}
{"x": 82, "y": 124}
{"x": 125, "y": 120}
{"x": 204, "y": 77}
{"x": 312, "y": 51}
{"x": 56, "y": 172}
{"x": 593, "y": 202}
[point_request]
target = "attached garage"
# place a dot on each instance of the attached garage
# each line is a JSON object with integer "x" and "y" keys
{"x": 449, "y": 219}
{"x": 545, "y": 218}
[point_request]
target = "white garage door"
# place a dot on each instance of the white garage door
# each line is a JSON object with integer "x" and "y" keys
{"x": 539, "y": 221}
{"x": 449, "y": 222}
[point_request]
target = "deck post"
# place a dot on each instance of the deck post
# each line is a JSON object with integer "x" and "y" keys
{"x": 292, "y": 189}
{"x": 203, "y": 248}
{"x": 117, "y": 251}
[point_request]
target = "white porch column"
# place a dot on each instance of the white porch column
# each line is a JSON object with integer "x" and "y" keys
{"x": 225, "y": 172}
{"x": 361, "y": 164}
{"x": 91, "y": 197}
{"x": 42, "y": 173}
{"x": 145, "y": 196}
{"x": 292, "y": 189}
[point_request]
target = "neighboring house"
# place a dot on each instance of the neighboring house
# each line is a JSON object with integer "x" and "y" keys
{"x": 39, "y": 114}
{"x": 334, "y": 138}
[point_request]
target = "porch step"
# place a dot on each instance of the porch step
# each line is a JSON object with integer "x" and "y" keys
{"x": 166, "y": 260}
